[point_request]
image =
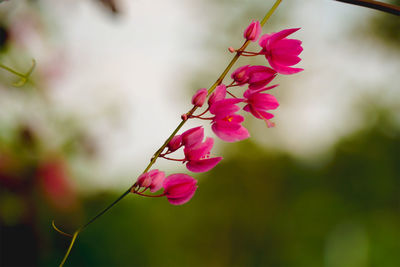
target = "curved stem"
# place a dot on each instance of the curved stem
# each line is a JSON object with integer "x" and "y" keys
{"x": 58, "y": 230}
{"x": 80, "y": 229}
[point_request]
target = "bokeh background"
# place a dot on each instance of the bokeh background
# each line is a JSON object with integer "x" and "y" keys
{"x": 322, "y": 188}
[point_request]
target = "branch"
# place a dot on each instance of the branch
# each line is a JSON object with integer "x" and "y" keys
{"x": 385, "y": 7}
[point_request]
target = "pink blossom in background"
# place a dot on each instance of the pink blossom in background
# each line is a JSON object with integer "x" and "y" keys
{"x": 179, "y": 188}
{"x": 197, "y": 157}
{"x": 253, "y": 31}
{"x": 152, "y": 179}
{"x": 281, "y": 52}
{"x": 56, "y": 184}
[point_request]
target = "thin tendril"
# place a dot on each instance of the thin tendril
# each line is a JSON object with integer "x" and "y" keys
{"x": 58, "y": 230}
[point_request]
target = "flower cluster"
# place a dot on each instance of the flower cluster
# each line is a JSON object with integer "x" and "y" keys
{"x": 222, "y": 110}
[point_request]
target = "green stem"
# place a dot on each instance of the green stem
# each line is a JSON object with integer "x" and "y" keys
{"x": 70, "y": 247}
{"x": 161, "y": 149}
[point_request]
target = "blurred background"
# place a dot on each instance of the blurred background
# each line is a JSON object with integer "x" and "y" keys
{"x": 322, "y": 188}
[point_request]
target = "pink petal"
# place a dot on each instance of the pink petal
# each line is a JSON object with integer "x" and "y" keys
{"x": 224, "y": 107}
{"x": 264, "y": 101}
{"x": 203, "y": 165}
{"x": 200, "y": 150}
{"x": 282, "y": 34}
{"x": 193, "y": 136}
{"x": 264, "y": 40}
{"x": 285, "y": 59}
{"x": 229, "y": 135}
{"x": 249, "y": 92}
{"x": 218, "y": 94}
{"x": 184, "y": 199}
{"x": 179, "y": 188}
{"x": 287, "y": 46}
{"x": 157, "y": 181}
{"x": 259, "y": 114}
{"x": 283, "y": 69}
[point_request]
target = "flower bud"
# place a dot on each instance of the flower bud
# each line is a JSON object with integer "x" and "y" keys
{"x": 253, "y": 31}
{"x": 259, "y": 76}
{"x": 240, "y": 75}
{"x": 199, "y": 97}
{"x": 175, "y": 143}
{"x": 193, "y": 136}
{"x": 153, "y": 179}
{"x": 179, "y": 188}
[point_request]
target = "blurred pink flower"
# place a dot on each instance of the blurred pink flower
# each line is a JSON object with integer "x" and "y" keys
{"x": 152, "y": 179}
{"x": 56, "y": 184}
{"x": 281, "y": 52}
{"x": 253, "y": 31}
{"x": 179, "y": 188}
{"x": 199, "y": 97}
{"x": 197, "y": 157}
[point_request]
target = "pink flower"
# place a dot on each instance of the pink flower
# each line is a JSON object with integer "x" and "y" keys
{"x": 281, "y": 52}
{"x": 226, "y": 124}
{"x": 197, "y": 157}
{"x": 179, "y": 188}
{"x": 240, "y": 75}
{"x": 175, "y": 143}
{"x": 193, "y": 136}
{"x": 259, "y": 76}
{"x": 152, "y": 179}
{"x": 258, "y": 103}
{"x": 252, "y": 31}
{"x": 218, "y": 94}
{"x": 199, "y": 97}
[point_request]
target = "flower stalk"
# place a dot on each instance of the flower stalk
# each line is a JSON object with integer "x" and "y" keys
{"x": 179, "y": 188}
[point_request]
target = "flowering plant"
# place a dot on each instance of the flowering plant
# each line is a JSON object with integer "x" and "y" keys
{"x": 224, "y": 101}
